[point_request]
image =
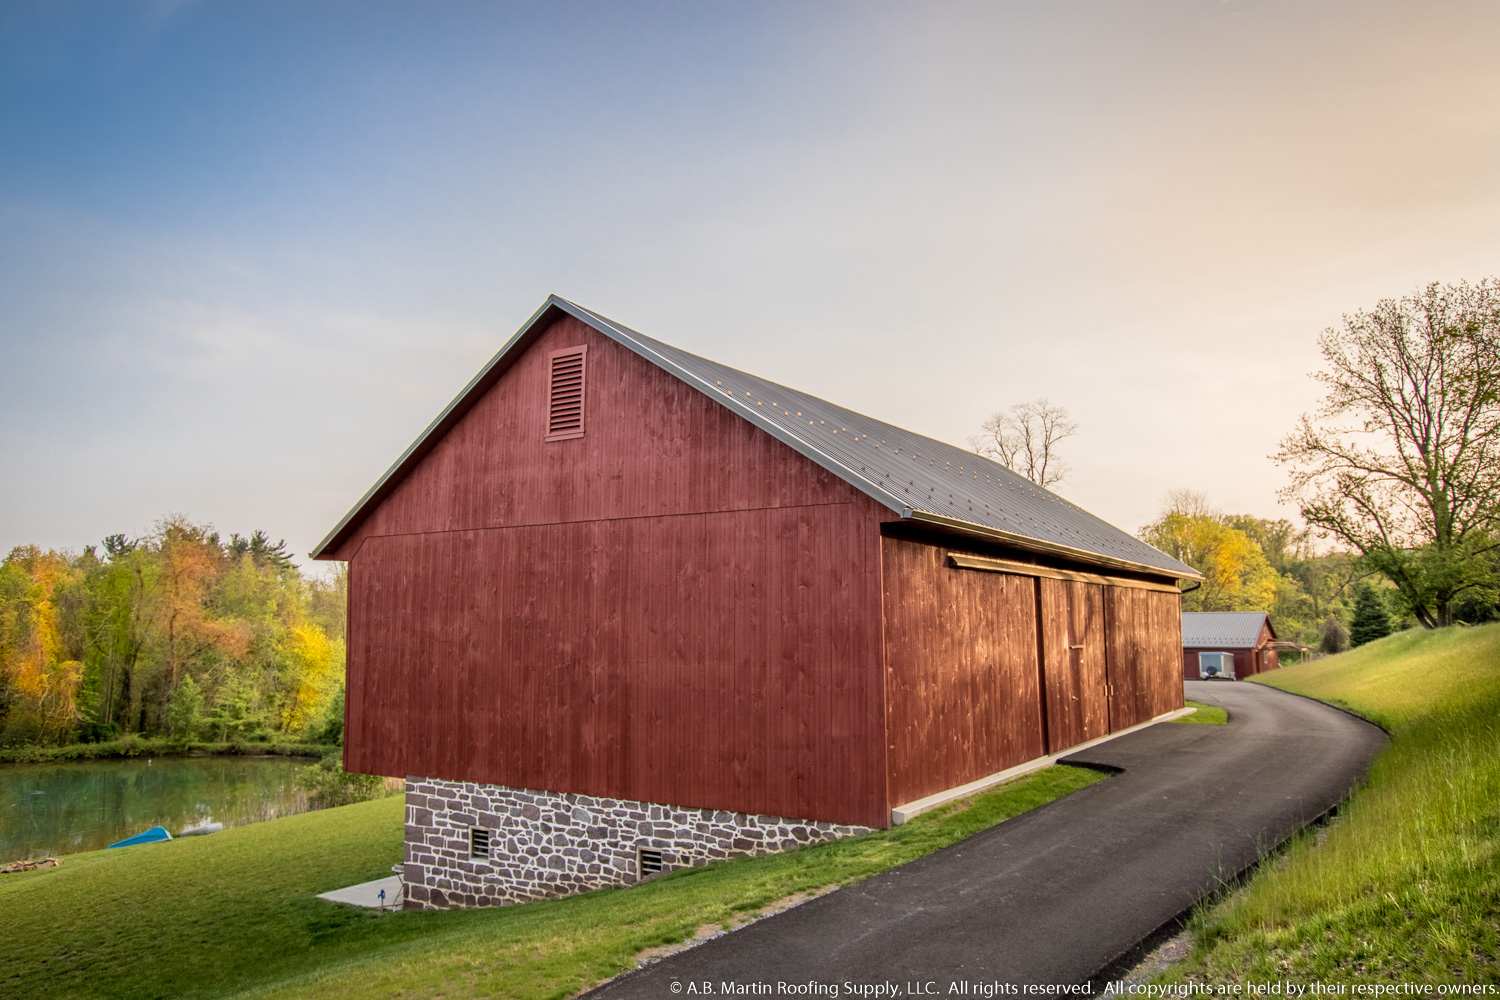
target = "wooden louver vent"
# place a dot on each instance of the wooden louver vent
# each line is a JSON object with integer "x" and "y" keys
{"x": 479, "y": 843}
{"x": 565, "y": 393}
{"x": 651, "y": 863}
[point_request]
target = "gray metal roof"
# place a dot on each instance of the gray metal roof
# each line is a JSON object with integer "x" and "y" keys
{"x": 1222, "y": 629}
{"x": 917, "y": 477}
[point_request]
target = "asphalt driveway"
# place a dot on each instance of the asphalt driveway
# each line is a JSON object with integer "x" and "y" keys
{"x": 1056, "y": 895}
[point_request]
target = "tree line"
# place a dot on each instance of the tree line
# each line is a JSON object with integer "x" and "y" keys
{"x": 1253, "y": 564}
{"x": 179, "y": 634}
{"x": 1325, "y": 600}
{"x": 1399, "y": 469}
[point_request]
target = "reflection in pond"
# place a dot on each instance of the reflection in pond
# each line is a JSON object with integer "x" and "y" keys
{"x": 83, "y": 806}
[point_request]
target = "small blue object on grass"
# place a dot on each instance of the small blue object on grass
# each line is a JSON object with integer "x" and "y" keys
{"x": 155, "y": 835}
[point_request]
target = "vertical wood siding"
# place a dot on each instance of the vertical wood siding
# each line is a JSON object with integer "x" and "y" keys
{"x": 652, "y": 445}
{"x": 988, "y": 670}
{"x": 1073, "y": 656}
{"x": 1145, "y": 634}
{"x": 1158, "y": 631}
{"x": 716, "y": 660}
{"x": 1129, "y": 692}
{"x": 961, "y": 671}
{"x": 674, "y": 607}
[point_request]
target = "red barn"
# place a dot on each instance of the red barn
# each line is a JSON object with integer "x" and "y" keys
{"x": 1228, "y": 644}
{"x": 621, "y": 608}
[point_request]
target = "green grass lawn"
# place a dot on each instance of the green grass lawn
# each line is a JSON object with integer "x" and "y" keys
{"x": 1205, "y": 715}
{"x": 234, "y": 915}
{"x": 1405, "y": 884}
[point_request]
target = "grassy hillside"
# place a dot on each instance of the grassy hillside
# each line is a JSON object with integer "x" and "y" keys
{"x": 1405, "y": 884}
{"x": 234, "y": 914}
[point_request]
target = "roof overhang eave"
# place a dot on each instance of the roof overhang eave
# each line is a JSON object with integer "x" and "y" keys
{"x": 502, "y": 359}
{"x": 419, "y": 448}
{"x": 1041, "y": 547}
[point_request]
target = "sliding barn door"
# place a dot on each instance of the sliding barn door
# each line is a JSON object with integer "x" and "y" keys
{"x": 1128, "y": 625}
{"x": 1073, "y": 657}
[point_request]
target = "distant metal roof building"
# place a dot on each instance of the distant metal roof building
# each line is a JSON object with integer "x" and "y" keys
{"x": 919, "y": 478}
{"x": 1223, "y": 629}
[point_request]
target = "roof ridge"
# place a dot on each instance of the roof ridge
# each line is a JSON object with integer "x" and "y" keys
{"x": 1009, "y": 507}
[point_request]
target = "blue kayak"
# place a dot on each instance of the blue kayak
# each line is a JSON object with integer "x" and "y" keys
{"x": 154, "y": 835}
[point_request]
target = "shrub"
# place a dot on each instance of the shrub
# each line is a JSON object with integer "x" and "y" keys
{"x": 1335, "y": 636}
{"x": 328, "y": 784}
{"x": 330, "y": 729}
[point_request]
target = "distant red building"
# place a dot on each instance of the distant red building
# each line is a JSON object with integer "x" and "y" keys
{"x": 1229, "y": 644}
{"x": 621, "y": 608}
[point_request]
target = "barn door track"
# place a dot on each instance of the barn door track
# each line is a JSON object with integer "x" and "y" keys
{"x": 1067, "y": 892}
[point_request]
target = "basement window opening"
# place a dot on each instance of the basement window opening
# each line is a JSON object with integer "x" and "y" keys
{"x": 650, "y": 862}
{"x": 565, "y": 393}
{"x": 479, "y": 843}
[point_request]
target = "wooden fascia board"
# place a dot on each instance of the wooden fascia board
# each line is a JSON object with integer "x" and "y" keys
{"x": 1028, "y": 544}
{"x": 456, "y": 408}
{"x": 965, "y": 561}
{"x": 502, "y": 361}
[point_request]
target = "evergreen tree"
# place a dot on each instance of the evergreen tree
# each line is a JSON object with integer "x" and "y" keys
{"x": 1371, "y": 619}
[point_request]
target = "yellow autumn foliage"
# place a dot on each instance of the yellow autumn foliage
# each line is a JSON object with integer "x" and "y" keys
{"x": 101, "y": 643}
{"x": 43, "y": 679}
{"x": 1237, "y": 576}
{"x": 315, "y": 663}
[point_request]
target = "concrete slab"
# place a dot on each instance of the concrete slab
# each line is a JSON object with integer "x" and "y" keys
{"x": 368, "y": 894}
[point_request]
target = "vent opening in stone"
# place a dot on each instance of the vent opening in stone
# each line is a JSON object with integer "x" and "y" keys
{"x": 479, "y": 843}
{"x": 651, "y": 862}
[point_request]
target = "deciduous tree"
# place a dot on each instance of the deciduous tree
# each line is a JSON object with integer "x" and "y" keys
{"x": 1236, "y": 575}
{"x": 41, "y": 667}
{"x": 163, "y": 631}
{"x": 1024, "y": 439}
{"x": 1402, "y": 460}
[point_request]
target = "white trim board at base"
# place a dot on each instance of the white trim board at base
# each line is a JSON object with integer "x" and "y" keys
{"x": 910, "y": 810}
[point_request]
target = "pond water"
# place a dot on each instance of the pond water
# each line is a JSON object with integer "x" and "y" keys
{"x": 48, "y": 809}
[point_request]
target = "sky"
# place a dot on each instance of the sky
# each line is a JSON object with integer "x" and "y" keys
{"x": 249, "y": 250}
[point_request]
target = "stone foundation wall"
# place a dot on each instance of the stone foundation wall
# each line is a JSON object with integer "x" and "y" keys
{"x": 546, "y": 844}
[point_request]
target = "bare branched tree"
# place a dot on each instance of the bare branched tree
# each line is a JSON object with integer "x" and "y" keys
{"x": 1025, "y": 438}
{"x": 1188, "y": 503}
{"x": 1402, "y": 461}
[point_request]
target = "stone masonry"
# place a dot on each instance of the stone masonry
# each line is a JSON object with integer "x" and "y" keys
{"x": 546, "y": 844}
